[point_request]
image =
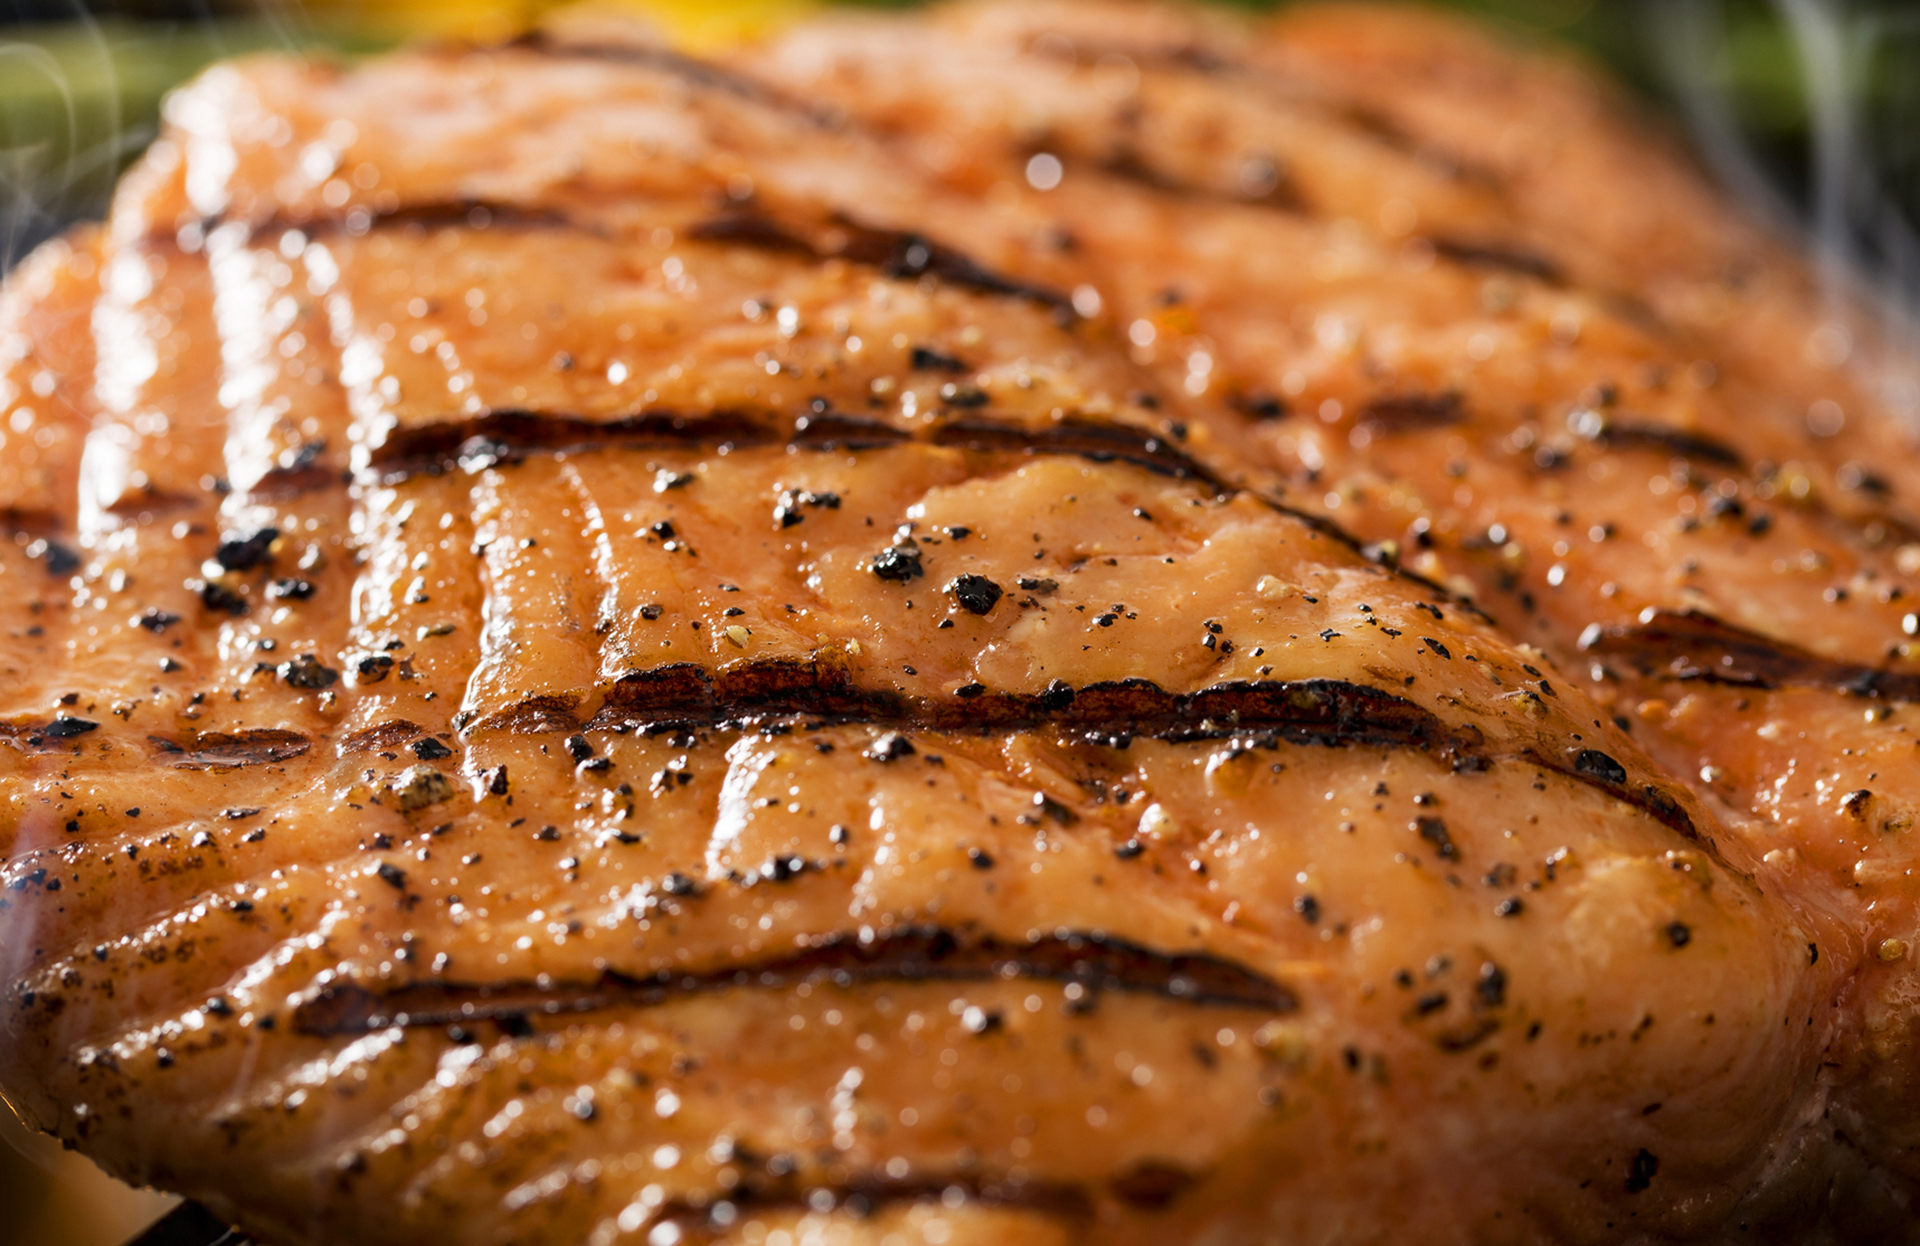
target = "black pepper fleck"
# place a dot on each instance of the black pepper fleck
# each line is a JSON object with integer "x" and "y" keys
{"x": 1596, "y": 764}
{"x": 1434, "y": 831}
{"x": 890, "y": 747}
{"x": 1641, "y": 1171}
{"x": 975, "y": 593}
{"x": 898, "y": 563}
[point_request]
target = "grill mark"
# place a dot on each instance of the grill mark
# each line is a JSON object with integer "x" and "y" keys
{"x": 1102, "y": 443}
{"x": 474, "y": 214}
{"x": 916, "y": 954}
{"x": 536, "y": 716}
{"x": 382, "y": 737}
{"x": 1639, "y": 434}
{"x": 508, "y": 436}
{"x": 896, "y": 253}
{"x": 679, "y": 65}
{"x": 1404, "y": 412}
{"x": 1129, "y": 164}
{"x": 505, "y": 436}
{"x": 1327, "y": 713}
{"x": 1397, "y": 413}
{"x": 1189, "y": 55}
{"x": 219, "y": 750}
{"x": 1691, "y": 645}
{"x": 751, "y": 229}
{"x": 282, "y": 484}
{"x": 1509, "y": 259}
{"x": 433, "y": 214}
{"x": 1321, "y": 711}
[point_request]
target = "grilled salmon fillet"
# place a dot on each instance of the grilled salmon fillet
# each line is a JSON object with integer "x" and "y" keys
{"x": 1024, "y": 624}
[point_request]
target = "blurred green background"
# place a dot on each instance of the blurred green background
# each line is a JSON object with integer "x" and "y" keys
{"x": 1809, "y": 110}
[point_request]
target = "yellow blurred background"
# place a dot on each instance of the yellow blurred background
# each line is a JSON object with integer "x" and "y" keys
{"x": 696, "y": 25}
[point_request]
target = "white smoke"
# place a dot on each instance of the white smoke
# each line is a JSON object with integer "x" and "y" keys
{"x": 41, "y": 179}
{"x": 58, "y": 164}
{"x": 1862, "y": 123}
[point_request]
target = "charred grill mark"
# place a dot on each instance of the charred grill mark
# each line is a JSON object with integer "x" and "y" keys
{"x": 837, "y": 430}
{"x": 1508, "y": 259}
{"x": 1083, "y": 53}
{"x": 282, "y": 484}
{"x": 896, "y": 253}
{"x": 218, "y": 750}
{"x": 442, "y": 214}
{"x": 751, "y": 229}
{"x": 1102, "y": 443}
{"x": 1151, "y": 1185}
{"x": 1693, "y": 646}
{"x": 1379, "y": 127}
{"x": 383, "y": 737}
{"x": 1096, "y": 962}
{"x": 507, "y": 436}
{"x": 504, "y": 436}
{"x": 1321, "y": 711}
{"x": 678, "y": 65}
{"x": 477, "y": 214}
{"x": 1326, "y": 713}
{"x": 1394, "y": 413}
{"x": 1644, "y": 435}
{"x": 537, "y": 715}
{"x": 1401, "y": 412}
{"x": 1273, "y": 190}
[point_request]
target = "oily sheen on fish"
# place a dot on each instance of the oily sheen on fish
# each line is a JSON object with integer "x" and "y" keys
{"x": 606, "y": 648}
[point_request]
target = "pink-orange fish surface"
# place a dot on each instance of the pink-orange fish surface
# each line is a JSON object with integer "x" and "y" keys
{"x": 1028, "y": 623}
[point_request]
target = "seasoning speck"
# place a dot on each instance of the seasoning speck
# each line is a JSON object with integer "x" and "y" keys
{"x": 890, "y": 747}
{"x": 1593, "y": 762}
{"x": 975, "y": 593}
{"x": 898, "y": 563}
{"x": 307, "y": 671}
